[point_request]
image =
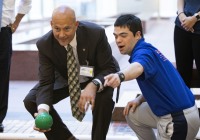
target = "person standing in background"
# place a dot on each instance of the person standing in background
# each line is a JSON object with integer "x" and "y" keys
{"x": 9, "y": 24}
{"x": 187, "y": 38}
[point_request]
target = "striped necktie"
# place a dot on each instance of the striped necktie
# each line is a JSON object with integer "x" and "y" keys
{"x": 1, "y": 8}
{"x": 73, "y": 83}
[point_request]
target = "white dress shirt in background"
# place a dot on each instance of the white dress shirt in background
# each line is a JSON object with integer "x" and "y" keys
{"x": 8, "y": 13}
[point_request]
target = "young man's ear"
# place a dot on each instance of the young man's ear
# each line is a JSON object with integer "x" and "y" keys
{"x": 138, "y": 34}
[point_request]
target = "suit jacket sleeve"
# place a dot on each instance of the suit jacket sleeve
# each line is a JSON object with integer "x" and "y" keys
{"x": 105, "y": 62}
{"x": 46, "y": 72}
{"x": 99, "y": 53}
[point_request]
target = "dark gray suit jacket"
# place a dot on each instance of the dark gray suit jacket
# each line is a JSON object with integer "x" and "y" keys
{"x": 92, "y": 48}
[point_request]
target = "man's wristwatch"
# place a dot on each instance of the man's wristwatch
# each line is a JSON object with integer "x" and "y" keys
{"x": 121, "y": 76}
{"x": 197, "y": 16}
{"x": 96, "y": 84}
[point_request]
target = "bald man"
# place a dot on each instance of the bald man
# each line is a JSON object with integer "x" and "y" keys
{"x": 92, "y": 50}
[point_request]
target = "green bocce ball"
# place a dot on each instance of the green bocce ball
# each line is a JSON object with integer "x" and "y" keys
{"x": 43, "y": 121}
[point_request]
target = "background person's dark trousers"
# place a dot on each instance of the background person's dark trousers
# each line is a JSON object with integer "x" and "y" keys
{"x": 5, "y": 61}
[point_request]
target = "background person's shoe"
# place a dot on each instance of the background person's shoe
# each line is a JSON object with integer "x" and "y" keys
{"x": 1, "y": 127}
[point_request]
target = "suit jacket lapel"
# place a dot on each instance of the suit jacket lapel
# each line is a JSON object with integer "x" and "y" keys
{"x": 60, "y": 53}
{"x": 82, "y": 47}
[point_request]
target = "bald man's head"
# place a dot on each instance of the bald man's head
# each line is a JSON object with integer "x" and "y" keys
{"x": 64, "y": 11}
{"x": 64, "y": 24}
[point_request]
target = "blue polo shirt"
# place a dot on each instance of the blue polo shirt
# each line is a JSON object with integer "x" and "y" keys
{"x": 190, "y": 8}
{"x": 160, "y": 83}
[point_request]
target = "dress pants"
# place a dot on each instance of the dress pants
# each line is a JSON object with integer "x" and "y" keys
{"x": 101, "y": 114}
{"x": 5, "y": 61}
{"x": 187, "y": 49}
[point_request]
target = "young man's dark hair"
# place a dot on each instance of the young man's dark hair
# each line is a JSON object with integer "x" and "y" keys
{"x": 130, "y": 21}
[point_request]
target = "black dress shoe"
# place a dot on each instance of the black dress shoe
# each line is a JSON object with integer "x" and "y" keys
{"x": 1, "y": 127}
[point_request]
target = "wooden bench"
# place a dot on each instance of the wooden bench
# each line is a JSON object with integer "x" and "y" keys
{"x": 24, "y": 64}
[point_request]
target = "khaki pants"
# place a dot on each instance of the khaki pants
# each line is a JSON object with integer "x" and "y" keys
{"x": 179, "y": 126}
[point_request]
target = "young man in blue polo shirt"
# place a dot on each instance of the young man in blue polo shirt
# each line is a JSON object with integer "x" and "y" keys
{"x": 166, "y": 103}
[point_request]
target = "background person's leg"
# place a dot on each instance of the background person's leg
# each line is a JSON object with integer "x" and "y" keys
{"x": 5, "y": 62}
{"x": 196, "y": 50}
{"x": 183, "y": 54}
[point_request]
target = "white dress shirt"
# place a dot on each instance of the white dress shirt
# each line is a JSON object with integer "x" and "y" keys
{"x": 73, "y": 43}
{"x": 8, "y": 13}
